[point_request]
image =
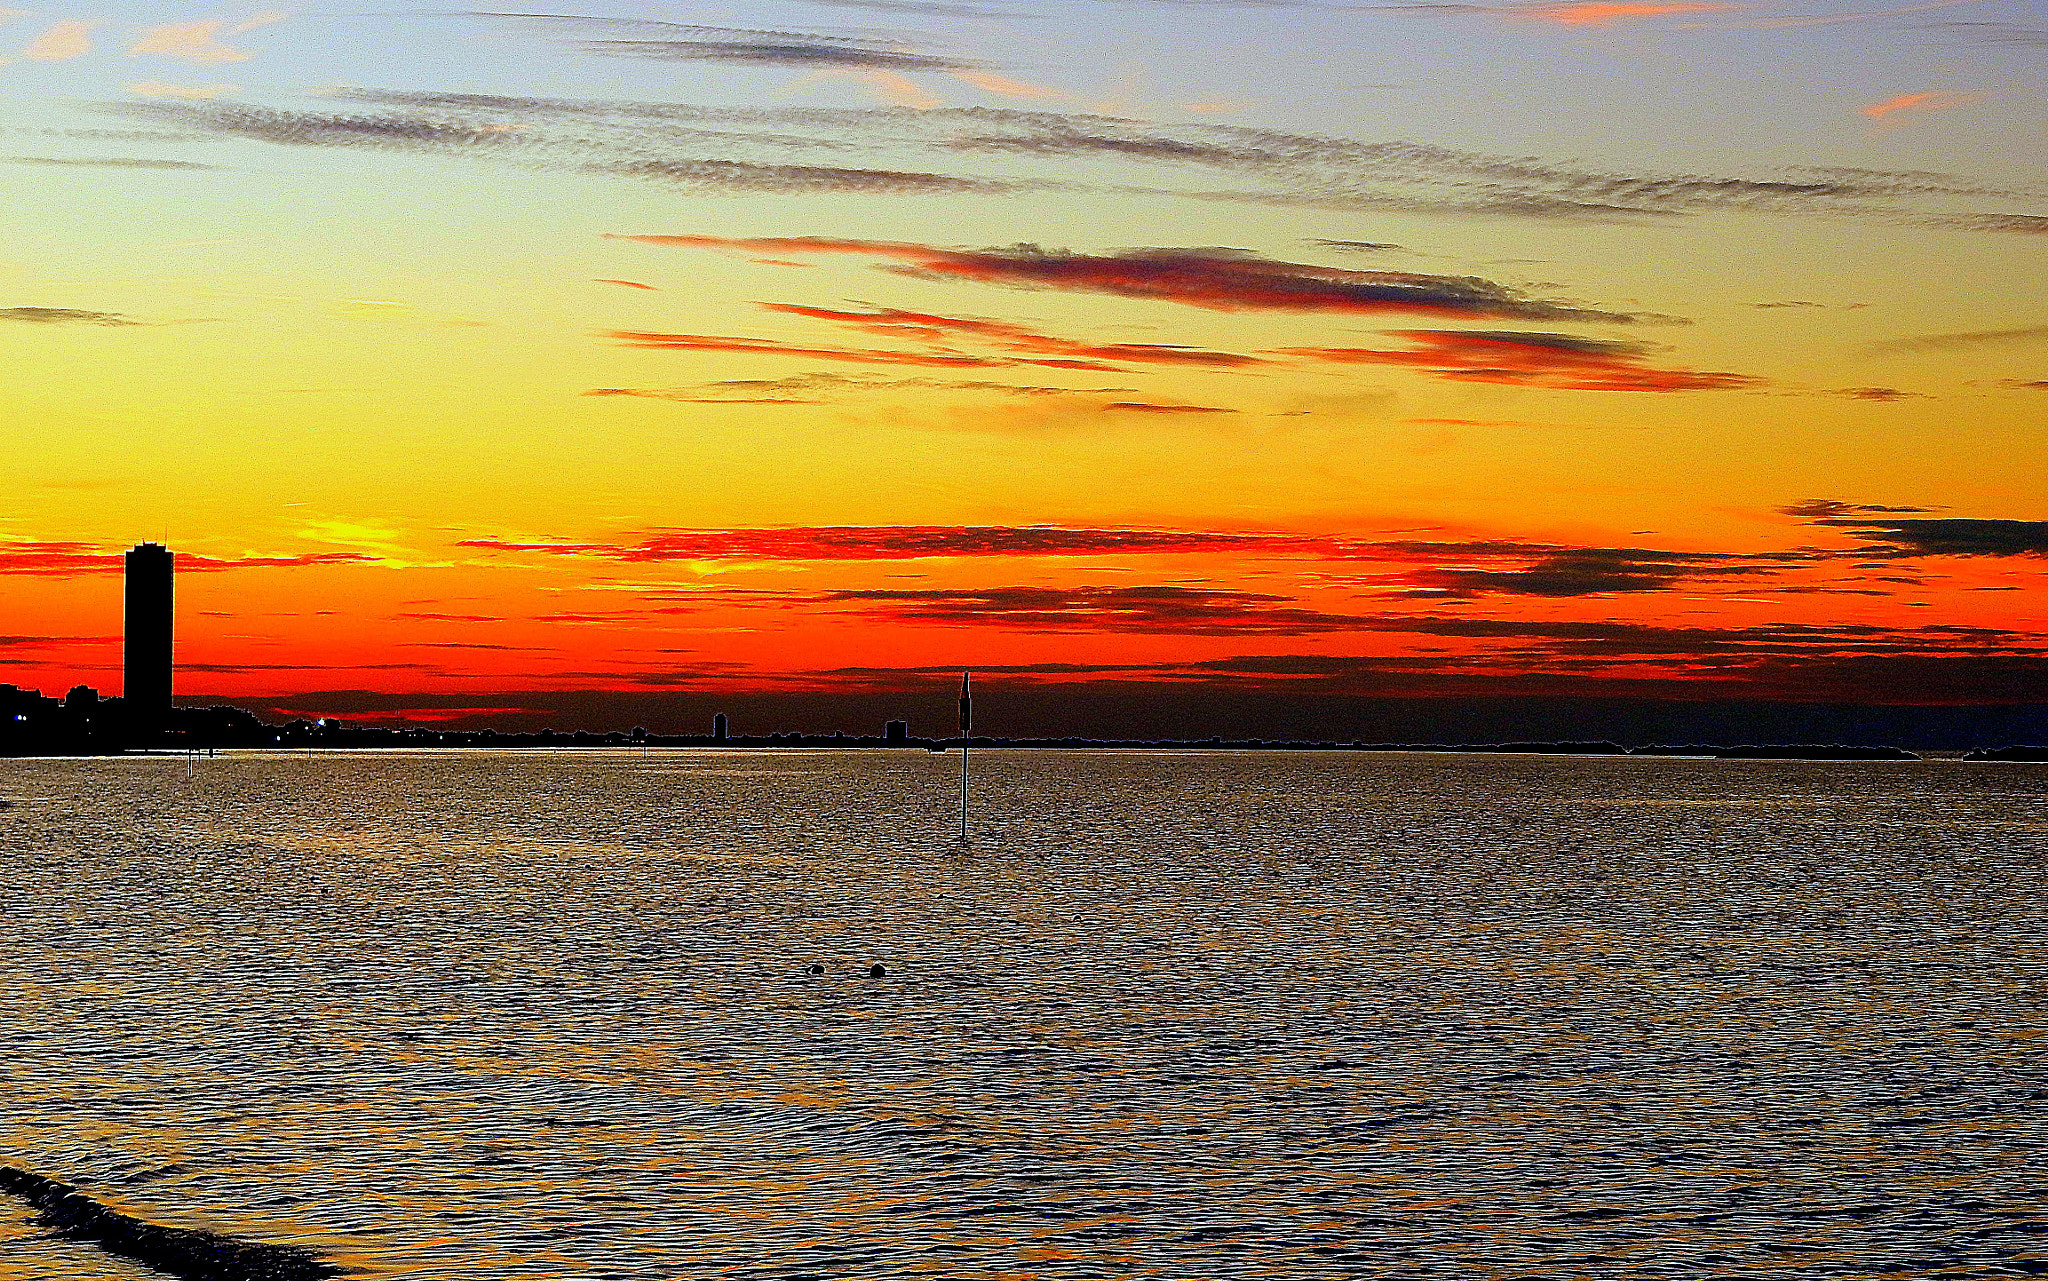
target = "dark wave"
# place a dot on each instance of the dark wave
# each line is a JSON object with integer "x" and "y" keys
{"x": 178, "y": 1252}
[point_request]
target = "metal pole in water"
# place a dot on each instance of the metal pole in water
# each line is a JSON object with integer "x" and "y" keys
{"x": 966, "y": 733}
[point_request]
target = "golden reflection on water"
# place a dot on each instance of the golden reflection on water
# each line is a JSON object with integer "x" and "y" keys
{"x": 468, "y": 1016}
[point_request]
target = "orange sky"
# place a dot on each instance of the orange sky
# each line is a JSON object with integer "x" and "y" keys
{"x": 479, "y": 365}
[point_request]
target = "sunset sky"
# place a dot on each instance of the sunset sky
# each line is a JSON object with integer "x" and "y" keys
{"x": 588, "y": 366}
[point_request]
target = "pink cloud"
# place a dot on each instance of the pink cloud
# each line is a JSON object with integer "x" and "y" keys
{"x": 1932, "y": 101}
{"x": 192, "y": 41}
{"x": 63, "y": 41}
{"x": 1004, "y": 87}
{"x": 1594, "y": 14}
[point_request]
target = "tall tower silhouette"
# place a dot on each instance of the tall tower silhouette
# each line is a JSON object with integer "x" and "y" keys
{"x": 146, "y": 640}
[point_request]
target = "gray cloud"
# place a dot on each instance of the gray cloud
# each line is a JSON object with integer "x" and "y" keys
{"x": 2021, "y": 224}
{"x": 1581, "y": 571}
{"x": 490, "y": 130}
{"x": 335, "y": 129}
{"x": 1964, "y": 341}
{"x": 1003, "y": 149}
{"x": 691, "y": 42}
{"x": 741, "y": 175}
{"x": 1949, "y": 536}
{"x": 2005, "y": 33}
{"x": 1822, "y": 508}
{"x": 774, "y": 49}
{"x": 107, "y": 162}
{"x": 1179, "y": 610}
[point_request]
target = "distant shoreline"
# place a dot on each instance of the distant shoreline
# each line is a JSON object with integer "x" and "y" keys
{"x": 359, "y": 739}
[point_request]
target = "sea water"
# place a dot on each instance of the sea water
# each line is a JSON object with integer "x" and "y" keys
{"x": 467, "y": 1015}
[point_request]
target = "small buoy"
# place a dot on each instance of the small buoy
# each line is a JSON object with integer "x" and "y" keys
{"x": 815, "y": 969}
{"x": 876, "y": 971}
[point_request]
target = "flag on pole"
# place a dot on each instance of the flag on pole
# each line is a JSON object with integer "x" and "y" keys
{"x": 966, "y": 706}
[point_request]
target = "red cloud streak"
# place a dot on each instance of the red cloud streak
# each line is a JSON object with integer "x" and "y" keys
{"x": 1600, "y": 15}
{"x": 851, "y": 355}
{"x": 933, "y": 330}
{"x": 1556, "y": 361}
{"x": 1217, "y": 280}
{"x": 56, "y": 560}
{"x": 897, "y": 542}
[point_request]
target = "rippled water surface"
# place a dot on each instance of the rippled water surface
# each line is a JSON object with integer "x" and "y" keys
{"x": 474, "y": 1015}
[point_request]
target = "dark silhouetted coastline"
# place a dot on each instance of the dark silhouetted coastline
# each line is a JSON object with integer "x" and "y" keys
{"x": 2008, "y": 754}
{"x": 82, "y": 724}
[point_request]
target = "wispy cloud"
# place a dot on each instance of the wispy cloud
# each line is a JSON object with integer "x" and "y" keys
{"x": 1825, "y": 508}
{"x": 1147, "y": 407}
{"x": 1933, "y": 100}
{"x": 107, "y": 162}
{"x": 2024, "y": 224}
{"x": 64, "y": 316}
{"x": 805, "y": 149}
{"x": 851, "y": 355}
{"x": 1556, "y": 361}
{"x": 1169, "y": 610}
{"x": 881, "y": 64}
{"x": 1964, "y": 341}
{"x": 64, "y": 559}
{"x": 739, "y": 175}
{"x": 817, "y": 388}
{"x": 260, "y": 18}
{"x": 682, "y": 396}
{"x": 1996, "y": 33}
{"x": 491, "y": 136}
{"x": 1415, "y": 570}
{"x": 781, "y": 49}
{"x": 1212, "y": 279}
{"x": 1586, "y": 572}
{"x": 1837, "y": 19}
{"x": 1357, "y": 246}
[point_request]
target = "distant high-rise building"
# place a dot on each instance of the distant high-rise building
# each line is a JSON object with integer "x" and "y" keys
{"x": 896, "y": 732}
{"x": 146, "y": 639}
{"x": 718, "y": 727}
